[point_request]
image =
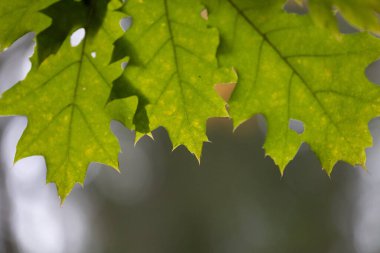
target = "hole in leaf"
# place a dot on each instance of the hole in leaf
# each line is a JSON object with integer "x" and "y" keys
{"x": 373, "y": 72}
{"x": 296, "y": 6}
{"x": 124, "y": 65}
{"x": 344, "y": 26}
{"x": 204, "y": 14}
{"x": 93, "y": 54}
{"x": 296, "y": 125}
{"x": 225, "y": 90}
{"x": 77, "y": 37}
{"x": 126, "y": 23}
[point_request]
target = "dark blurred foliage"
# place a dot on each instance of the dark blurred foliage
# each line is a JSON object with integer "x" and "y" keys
{"x": 235, "y": 201}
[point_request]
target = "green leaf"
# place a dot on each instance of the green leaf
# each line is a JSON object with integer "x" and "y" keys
{"x": 363, "y": 14}
{"x": 65, "y": 101}
{"x": 123, "y": 110}
{"x": 67, "y": 16}
{"x": 174, "y": 68}
{"x": 290, "y": 69}
{"x": 17, "y": 17}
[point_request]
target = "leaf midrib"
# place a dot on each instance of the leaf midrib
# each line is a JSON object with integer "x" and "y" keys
{"x": 75, "y": 94}
{"x": 175, "y": 56}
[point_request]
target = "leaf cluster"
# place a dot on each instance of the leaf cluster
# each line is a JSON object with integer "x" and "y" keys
{"x": 162, "y": 69}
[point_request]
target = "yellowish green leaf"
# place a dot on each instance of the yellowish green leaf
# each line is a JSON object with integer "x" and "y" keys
{"x": 363, "y": 14}
{"x": 65, "y": 103}
{"x": 174, "y": 68}
{"x": 18, "y": 17}
{"x": 290, "y": 69}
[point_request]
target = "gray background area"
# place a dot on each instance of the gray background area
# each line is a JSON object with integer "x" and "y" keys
{"x": 235, "y": 201}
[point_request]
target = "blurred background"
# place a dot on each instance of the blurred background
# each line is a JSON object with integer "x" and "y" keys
{"x": 164, "y": 202}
